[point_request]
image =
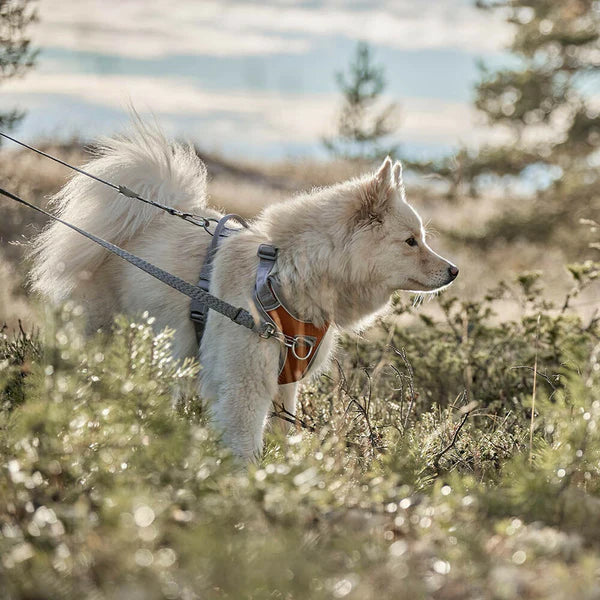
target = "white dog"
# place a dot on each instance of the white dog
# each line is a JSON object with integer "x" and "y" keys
{"x": 343, "y": 250}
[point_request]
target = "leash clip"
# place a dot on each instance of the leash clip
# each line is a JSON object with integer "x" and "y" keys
{"x": 268, "y": 330}
{"x": 293, "y": 343}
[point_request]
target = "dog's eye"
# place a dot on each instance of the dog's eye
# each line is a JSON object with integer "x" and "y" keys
{"x": 411, "y": 241}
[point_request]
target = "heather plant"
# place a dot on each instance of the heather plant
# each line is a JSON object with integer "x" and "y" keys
{"x": 418, "y": 468}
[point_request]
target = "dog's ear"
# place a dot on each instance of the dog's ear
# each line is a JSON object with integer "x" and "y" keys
{"x": 397, "y": 174}
{"x": 384, "y": 174}
{"x": 397, "y": 178}
{"x": 377, "y": 193}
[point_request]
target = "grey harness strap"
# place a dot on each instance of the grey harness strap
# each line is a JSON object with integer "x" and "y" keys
{"x": 263, "y": 291}
{"x": 198, "y": 308}
{"x": 264, "y": 297}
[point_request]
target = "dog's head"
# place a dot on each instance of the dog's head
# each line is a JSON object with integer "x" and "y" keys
{"x": 389, "y": 234}
{"x": 345, "y": 249}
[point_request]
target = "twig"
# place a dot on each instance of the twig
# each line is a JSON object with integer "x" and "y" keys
{"x": 535, "y": 363}
{"x": 568, "y": 297}
{"x": 410, "y": 378}
{"x": 286, "y": 415}
{"x": 23, "y": 333}
{"x": 593, "y": 320}
{"x": 363, "y": 411}
{"x": 436, "y": 460}
{"x": 543, "y": 375}
{"x": 465, "y": 340}
{"x": 399, "y": 389}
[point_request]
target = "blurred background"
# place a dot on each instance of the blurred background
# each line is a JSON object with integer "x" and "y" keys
{"x": 492, "y": 106}
{"x": 253, "y": 80}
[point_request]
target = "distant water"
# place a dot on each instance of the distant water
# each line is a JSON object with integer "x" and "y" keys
{"x": 249, "y": 79}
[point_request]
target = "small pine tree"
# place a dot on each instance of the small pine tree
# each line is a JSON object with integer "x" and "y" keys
{"x": 16, "y": 55}
{"x": 362, "y": 125}
{"x": 545, "y": 100}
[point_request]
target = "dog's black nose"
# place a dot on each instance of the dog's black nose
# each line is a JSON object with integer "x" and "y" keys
{"x": 453, "y": 271}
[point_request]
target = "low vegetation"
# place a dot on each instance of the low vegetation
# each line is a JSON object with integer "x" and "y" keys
{"x": 453, "y": 452}
{"x": 453, "y": 457}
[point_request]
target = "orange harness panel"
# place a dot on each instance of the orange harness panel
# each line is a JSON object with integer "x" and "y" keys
{"x": 299, "y": 357}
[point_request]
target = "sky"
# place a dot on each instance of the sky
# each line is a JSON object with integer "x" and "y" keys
{"x": 253, "y": 79}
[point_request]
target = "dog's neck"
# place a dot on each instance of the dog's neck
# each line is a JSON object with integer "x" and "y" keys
{"x": 324, "y": 299}
{"x": 316, "y": 293}
{"x": 316, "y": 277}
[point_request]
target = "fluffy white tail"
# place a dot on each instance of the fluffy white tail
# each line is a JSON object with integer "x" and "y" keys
{"x": 143, "y": 161}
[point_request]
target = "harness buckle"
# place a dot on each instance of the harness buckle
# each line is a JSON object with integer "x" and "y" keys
{"x": 267, "y": 251}
{"x": 268, "y": 331}
{"x": 198, "y": 316}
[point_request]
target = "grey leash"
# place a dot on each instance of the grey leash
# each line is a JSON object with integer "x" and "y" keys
{"x": 123, "y": 190}
{"x": 237, "y": 315}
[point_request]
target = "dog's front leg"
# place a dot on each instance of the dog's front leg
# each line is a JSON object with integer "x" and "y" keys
{"x": 245, "y": 396}
{"x": 243, "y": 410}
{"x": 284, "y": 407}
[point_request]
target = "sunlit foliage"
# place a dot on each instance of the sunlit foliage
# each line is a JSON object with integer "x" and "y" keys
{"x": 409, "y": 473}
{"x": 16, "y": 55}
{"x": 542, "y": 103}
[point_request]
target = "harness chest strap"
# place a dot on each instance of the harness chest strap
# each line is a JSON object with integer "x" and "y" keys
{"x": 300, "y": 339}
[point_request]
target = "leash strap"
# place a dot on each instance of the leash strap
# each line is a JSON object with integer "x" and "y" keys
{"x": 199, "y": 309}
{"x": 123, "y": 190}
{"x": 237, "y": 315}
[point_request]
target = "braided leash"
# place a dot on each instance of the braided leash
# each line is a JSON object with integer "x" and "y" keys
{"x": 236, "y": 314}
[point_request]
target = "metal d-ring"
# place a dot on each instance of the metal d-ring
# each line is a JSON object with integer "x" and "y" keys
{"x": 305, "y": 341}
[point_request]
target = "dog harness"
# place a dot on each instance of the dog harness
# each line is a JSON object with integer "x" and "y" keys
{"x": 277, "y": 321}
{"x": 300, "y": 339}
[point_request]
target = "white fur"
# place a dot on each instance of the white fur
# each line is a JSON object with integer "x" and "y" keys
{"x": 342, "y": 252}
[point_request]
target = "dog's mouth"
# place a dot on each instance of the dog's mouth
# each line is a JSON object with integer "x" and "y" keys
{"x": 422, "y": 288}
